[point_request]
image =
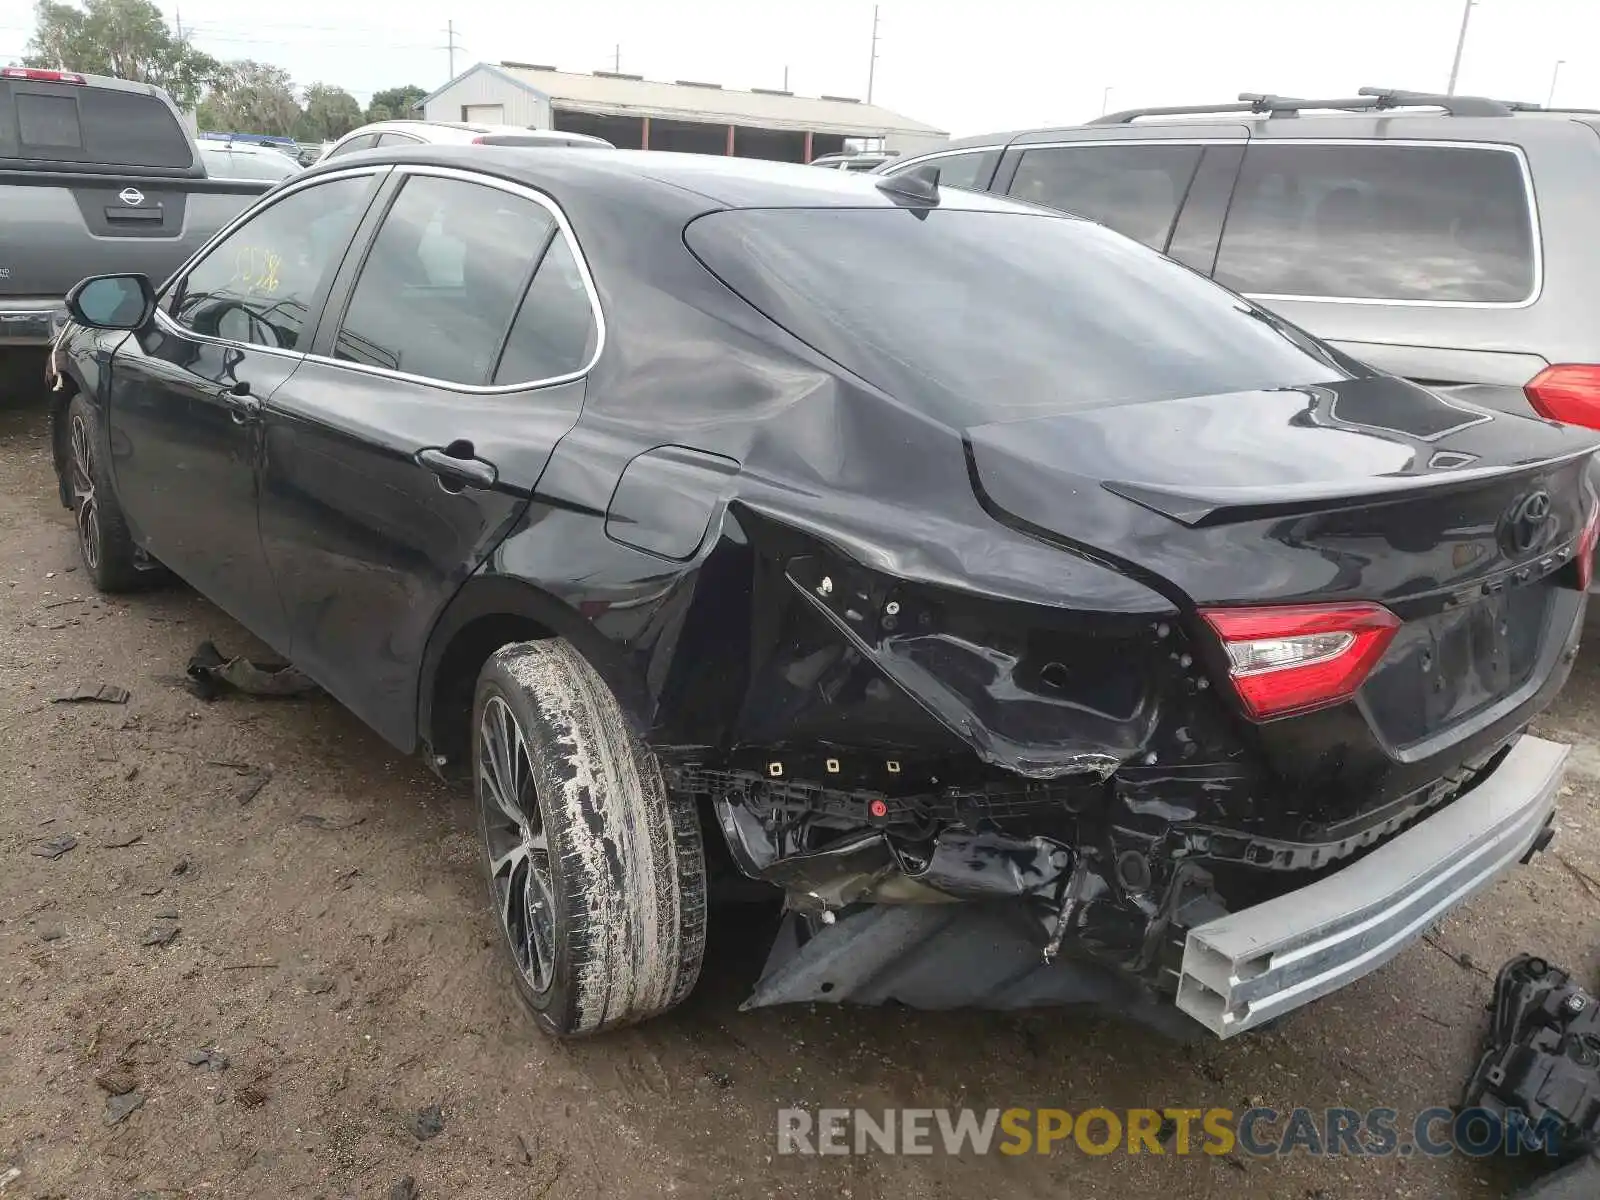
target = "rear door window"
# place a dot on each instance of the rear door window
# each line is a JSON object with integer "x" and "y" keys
{"x": 259, "y": 284}
{"x": 76, "y": 123}
{"x": 1380, "y": 222}
{"x": 1135, "y": 190}
{"x": 365, "y": 141}
{"x": 442, "y": 282}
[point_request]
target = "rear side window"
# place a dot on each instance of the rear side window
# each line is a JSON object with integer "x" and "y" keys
{"x": 257, "y": 285}
{"x": 442, "y": 281}
{"x": 1380, "y": 222}
{"x": 976, "y": 317}
{"x": 555, "y": 331}
{"x": 99, "y": 126}
{"x": 1135, "y": 190}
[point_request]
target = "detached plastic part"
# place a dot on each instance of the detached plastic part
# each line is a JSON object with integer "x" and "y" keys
{"x": 1542, "y": 1060}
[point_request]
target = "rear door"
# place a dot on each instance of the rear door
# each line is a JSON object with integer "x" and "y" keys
{"x": 450, "y": 362}
{"x": 98, "y": 179}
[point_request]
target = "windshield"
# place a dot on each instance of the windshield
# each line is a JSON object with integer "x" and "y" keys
{"x": 978, "y": 317}
{"x": 222, "y": 162}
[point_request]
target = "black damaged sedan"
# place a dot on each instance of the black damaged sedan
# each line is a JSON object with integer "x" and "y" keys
{"x": 1041, "y": 621}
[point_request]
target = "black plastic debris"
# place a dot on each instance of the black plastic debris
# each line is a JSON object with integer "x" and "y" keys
{"x": 1540, "y": 1070}
{"x": 95, "y": 693}
{"x": 121, "y": 841}
{"x": 428, "y": 1123}
{"x": 119, "y": 1108}
{"x": 55, "y": 847}
{"x": 213, "y": 1060}
{"x": 159, "y": 935}
{"x": 210, "y": 675}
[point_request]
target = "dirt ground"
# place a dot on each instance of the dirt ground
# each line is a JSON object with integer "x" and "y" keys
{"x": 332, "y": 940}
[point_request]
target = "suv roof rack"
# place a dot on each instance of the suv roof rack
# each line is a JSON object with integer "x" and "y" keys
{"x": 1366, "y": 100}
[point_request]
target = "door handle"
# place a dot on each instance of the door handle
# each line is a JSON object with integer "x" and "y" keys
{"x": 457, "y": 467}
{"x": 241, "y": 405}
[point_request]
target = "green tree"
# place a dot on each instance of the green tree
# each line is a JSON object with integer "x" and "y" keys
{"x": 251, "y": 97}
{"x": 394, "y": 102}
{"x": 331, "y": 112}
{"x": 125, "y": 38}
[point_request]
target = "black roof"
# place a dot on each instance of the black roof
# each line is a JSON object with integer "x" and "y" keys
{"x": 726, "y": 182}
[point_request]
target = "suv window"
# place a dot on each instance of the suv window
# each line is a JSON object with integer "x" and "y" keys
{"x": 257, "y": 284}
{"x": 977, "y": 317}
{"x": 1380, "y": 222}
{"x": 972, "y": 170}
{"x": 1135, "y": 190}
{"x": 85, "y": 124}
{"x": 555, "y": 331}
{"x": 441, "y": 284}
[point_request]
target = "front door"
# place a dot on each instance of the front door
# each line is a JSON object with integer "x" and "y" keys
{"x": 187, "y": 393}
{"x": 406, "y": 448}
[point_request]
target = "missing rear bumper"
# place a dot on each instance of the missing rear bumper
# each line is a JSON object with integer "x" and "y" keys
{"x": 1251, "y": 966}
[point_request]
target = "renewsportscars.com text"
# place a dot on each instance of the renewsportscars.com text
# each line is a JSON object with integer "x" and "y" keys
{"x": 1256, "y": 1132}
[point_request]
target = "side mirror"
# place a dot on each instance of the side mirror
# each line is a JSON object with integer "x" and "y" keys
{"x": 112, "y": 301}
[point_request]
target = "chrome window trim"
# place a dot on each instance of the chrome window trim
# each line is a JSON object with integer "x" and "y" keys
{"x": 903, "y": 164}
{"x": 563, "y": 226}
{"x": 1535, "y": 233}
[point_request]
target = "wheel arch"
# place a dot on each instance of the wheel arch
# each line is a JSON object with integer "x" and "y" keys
{"x": 491, "y": 611}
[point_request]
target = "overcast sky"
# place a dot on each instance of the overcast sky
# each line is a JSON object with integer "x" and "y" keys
{"x": 969, "y": 66}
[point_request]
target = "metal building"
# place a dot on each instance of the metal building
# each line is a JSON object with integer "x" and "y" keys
{"x": 634, "y": 113}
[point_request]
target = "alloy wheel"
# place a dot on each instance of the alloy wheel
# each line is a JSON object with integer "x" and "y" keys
{"x": 517, "y": 844}
{"x": 85, "y": 507}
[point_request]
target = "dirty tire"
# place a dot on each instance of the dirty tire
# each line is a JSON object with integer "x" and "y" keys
{"x": 104, "y": 543}
{"x": 626, "y": 867}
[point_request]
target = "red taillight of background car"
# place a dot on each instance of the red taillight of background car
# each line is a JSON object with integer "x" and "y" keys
{"x": 1585, "y": 552}
{"x": 1298, "y": 657}
{"x": 39, "y": 75}
{"x": 1567, "y": 392}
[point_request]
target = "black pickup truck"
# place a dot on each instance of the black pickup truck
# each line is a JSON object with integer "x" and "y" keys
{"x": 96, "y": 175}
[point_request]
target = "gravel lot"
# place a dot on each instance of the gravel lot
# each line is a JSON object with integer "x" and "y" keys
{"x": 332, "y": 941}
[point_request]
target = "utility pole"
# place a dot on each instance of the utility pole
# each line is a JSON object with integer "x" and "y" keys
{"x": 1461, "y": 44}
{"x": 872, "y": 64}
{"x": 1554, "y": 75}
{"x": 177, "y": 17}
{"x": 450, "y": 28}
{"x": 786, "y": 78}
{"x": 616, "y": 61}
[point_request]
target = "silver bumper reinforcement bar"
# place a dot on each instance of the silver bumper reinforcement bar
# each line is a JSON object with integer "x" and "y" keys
{"x": 1261, "y": 962}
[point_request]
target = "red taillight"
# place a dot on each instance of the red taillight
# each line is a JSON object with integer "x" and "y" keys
{"x": 1298, "y": 657}
{"x": 479, "y": 140}
{"x": 41, "y": 75}
{"x": 1567, "y": 392}
{"x": 1585, "y": 552}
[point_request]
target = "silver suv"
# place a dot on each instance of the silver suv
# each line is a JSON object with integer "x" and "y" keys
{"x": 1449, "y": 239}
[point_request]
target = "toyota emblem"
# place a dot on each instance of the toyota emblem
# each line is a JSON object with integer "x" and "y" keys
{"x": 1525, "y": 523}
{"x": 131, "y": 195}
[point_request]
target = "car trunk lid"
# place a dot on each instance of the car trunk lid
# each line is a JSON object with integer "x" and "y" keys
{"x": 1462, "y": 522}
